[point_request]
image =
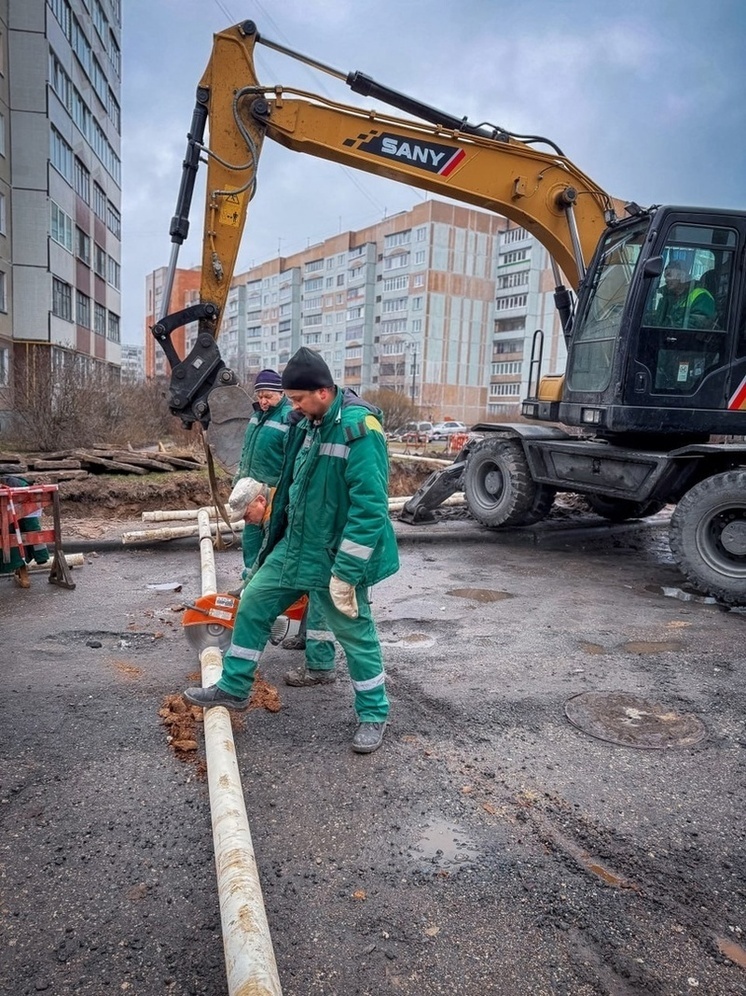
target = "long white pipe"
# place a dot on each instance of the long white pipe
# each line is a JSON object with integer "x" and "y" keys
{"x": 249, "y": 957}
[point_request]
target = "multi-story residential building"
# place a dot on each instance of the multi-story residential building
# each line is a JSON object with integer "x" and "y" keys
{"x": 184, "y": 292}
{"x": 133, "y": 368}
{"x": 438, "y": 303}
{"x": 60, "y": 188}
{"x": 524, "y": 302}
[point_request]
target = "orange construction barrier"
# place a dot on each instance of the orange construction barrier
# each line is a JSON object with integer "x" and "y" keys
{"x": 17, "y": 504}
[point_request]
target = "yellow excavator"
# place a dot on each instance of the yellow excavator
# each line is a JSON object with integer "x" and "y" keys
{"x": 654, "y": 318}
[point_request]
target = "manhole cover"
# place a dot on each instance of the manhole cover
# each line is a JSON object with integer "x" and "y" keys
{"x": 621, "y": 718}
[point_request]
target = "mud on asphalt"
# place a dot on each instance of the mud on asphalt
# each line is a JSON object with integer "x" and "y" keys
{"x": 490, "y": 847}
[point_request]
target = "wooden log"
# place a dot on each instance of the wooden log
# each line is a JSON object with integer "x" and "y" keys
{"x": 175, "y": 532}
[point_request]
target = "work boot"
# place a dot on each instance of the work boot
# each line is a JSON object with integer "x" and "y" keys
{"x": 368, "y": 737}
{"x": 214, "y": 696}
{"x": 22, "y": 578}
{"x": 301, "y": 677}
{"x": 294, "y": 643}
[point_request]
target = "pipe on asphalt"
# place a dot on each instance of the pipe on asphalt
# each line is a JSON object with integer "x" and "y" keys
{"x": 249, "y": 957}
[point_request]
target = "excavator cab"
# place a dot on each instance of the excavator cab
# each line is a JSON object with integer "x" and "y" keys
{"x": 658, "y": 344}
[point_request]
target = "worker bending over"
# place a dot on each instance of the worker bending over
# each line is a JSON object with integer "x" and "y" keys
{"x": 329, "y": 534}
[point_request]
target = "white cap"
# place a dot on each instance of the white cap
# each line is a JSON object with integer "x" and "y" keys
{"x": 244, "y": 492}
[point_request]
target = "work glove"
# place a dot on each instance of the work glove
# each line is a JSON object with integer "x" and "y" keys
{"x": 344, "y": 597}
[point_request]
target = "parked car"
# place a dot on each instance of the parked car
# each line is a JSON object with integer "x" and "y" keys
{"x": 414, "y": 432}
{"x": 442, "y": 430}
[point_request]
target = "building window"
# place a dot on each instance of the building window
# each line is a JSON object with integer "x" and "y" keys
{"x": 60, "y": 81}
{"x": 62, "y": 228}
{"x": 113, "y": 333}
{"x": 2, "y": 214}
{"x": 61, "y": 10}
{"x": 4, "y": 367}
{"x": 508, "y": 303}
{"x": 99, "y": 319}
{"x": 99, "y": 260}
{"x": 99, "y": 202}
{"x": 82, "y": 309}
{"x": 61, "y": 155}
{"x": 62, "y": 299}
{"x": 417, "y": 303}
{"x": 514, "y": 235}
{"x": 396, "y": 262}
{"x": 3, "y": 293}
{"x": 397, "y": 239}
{"x": 505, "y": 390}
{"x": 113, "y": 274}
{"x": 82, "y": 181}
{"x": 519, "y": 279}
{"x": 83, "y": 246}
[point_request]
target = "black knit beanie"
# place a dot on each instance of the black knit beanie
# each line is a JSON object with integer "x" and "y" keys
{"x": 306, "y": 371}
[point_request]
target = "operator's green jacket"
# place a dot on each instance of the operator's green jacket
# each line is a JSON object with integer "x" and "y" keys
{"x": 331, "y": 502}
{"x": 264, "y": 444}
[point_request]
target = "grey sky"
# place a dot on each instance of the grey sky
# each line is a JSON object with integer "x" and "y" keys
{"x": 645, "y": 96}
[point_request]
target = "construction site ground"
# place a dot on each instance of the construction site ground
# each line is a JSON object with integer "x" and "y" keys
{"x": 491, "y": 847}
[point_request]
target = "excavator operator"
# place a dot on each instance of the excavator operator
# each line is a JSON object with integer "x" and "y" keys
{"x": 683, "y": 304}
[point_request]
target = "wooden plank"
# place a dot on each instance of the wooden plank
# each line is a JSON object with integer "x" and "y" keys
{"x": 143, "y": 461}
{"x": 122, "y": 468}
{"x": 64, "y": 463}
{"x": 181, "y": 462}
{"x": 55, "y": 475}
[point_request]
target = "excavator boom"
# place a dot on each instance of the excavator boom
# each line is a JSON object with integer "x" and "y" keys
{"x": 481, "y": 165}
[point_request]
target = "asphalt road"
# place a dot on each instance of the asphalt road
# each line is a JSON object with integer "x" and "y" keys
{"x": 490, "y": 847}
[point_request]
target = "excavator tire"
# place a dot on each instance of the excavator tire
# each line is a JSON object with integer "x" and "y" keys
{"x": 708, "y": 536}
{"x": 621, "y": 509}
{"x": 499, "y": 488}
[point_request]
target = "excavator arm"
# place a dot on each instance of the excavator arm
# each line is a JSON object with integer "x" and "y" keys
{"x": 481, "y": 165}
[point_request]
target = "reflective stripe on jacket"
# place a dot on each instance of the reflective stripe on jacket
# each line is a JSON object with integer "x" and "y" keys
{"x": 332, "y": 499}
{"x": 264, "y": 444}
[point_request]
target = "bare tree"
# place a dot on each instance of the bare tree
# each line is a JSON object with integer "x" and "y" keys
{"x": 396, "y": 407}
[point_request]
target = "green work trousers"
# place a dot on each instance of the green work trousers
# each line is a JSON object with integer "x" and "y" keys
{"x": 265, "y": 597}
{"x": 251, "y": 542}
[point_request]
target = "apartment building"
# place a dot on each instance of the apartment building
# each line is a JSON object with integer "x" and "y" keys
{"x": 133, "y": 368}
{"x": 184, "y": 292}
{"x": 60, "y": 189}
{"x": 524, "y": 303}
{"x": 438, "y": 303}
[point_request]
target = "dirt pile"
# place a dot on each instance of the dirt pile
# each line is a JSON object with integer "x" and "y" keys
{"x": 121, "y": 497}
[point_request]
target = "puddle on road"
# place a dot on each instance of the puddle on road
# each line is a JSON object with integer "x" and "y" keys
{"x": 593, "y": 648}
{"x": 651, "y": 646}
{"x": 445, "y": 847}
{"x": 732, "y": 951}
{"x": 483, "y": 595}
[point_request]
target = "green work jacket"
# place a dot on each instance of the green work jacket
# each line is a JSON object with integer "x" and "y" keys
{"x": 331, "y": 503}
{"x": 264, "y": 444}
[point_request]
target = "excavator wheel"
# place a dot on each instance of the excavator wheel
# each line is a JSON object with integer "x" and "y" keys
{"x": 708, "y": 536}
{"x": 621, "y": 509}
{"x": 499, "y": 488}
